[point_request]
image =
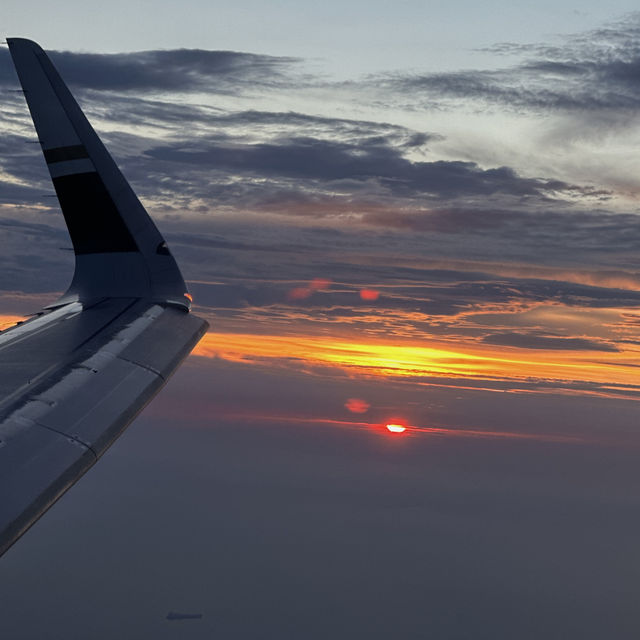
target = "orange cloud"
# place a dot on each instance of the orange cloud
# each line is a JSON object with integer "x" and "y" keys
{"x": 575, "y": 371}
{"x": 7, "y": 321}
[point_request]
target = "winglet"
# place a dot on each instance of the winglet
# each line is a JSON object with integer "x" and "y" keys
{"x": 119, "y": 250}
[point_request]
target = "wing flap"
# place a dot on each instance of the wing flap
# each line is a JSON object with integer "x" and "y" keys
{"x": 52, "y": 433}
{"x": 37, "y": 466}
{"x": 89, "y": 405}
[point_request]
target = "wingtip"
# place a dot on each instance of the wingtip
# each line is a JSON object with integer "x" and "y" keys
{"x": 23, "y": 42}
{"x": 117, "y": 245}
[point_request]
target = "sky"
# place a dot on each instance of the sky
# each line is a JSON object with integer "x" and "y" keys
{"x": 413, "y": 213}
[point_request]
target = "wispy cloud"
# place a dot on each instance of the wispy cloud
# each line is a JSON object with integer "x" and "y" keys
{"x": 532, "y": 341}
{"x": 166, "y": 70}
{"x": 593, "y": 71}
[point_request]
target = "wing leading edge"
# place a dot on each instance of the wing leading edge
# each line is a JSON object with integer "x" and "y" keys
{"x": 75, "y": 375}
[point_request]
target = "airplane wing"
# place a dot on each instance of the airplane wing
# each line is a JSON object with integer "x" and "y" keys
{"x": 77, "y": 373}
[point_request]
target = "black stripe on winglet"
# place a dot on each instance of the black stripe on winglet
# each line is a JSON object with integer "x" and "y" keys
{"x": 94, "y": 222}
{"x": 60, "y": 154}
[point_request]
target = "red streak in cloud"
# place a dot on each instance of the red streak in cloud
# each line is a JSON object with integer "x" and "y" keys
{"x": 410, "y": 430}
{"x": 357, "y": 405}
{"x": 369, "y": 294}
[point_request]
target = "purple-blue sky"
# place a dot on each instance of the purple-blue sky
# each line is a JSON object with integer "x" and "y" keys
{"x": 386, "y": 214}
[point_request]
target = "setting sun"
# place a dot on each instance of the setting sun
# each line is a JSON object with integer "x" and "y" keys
{"x": 396, "y": 428}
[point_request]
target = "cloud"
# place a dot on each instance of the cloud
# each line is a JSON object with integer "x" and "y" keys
{"x": 256, "y": 204}
{"x": 174, "y": 70}
{"x": 368, "y": 164}
{"x": 530, "y": 341}
{"x": 283, "y": 162}
{"x": 594, "y": 71}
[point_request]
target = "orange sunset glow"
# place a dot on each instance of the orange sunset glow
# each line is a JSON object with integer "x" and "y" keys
{"x": 612, "y": 373}
{"x": 7, "y": 321}
{"x": 430, "y": 360}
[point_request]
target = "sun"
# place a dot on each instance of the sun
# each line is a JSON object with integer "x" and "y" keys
{"x": 396, "y": 428}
